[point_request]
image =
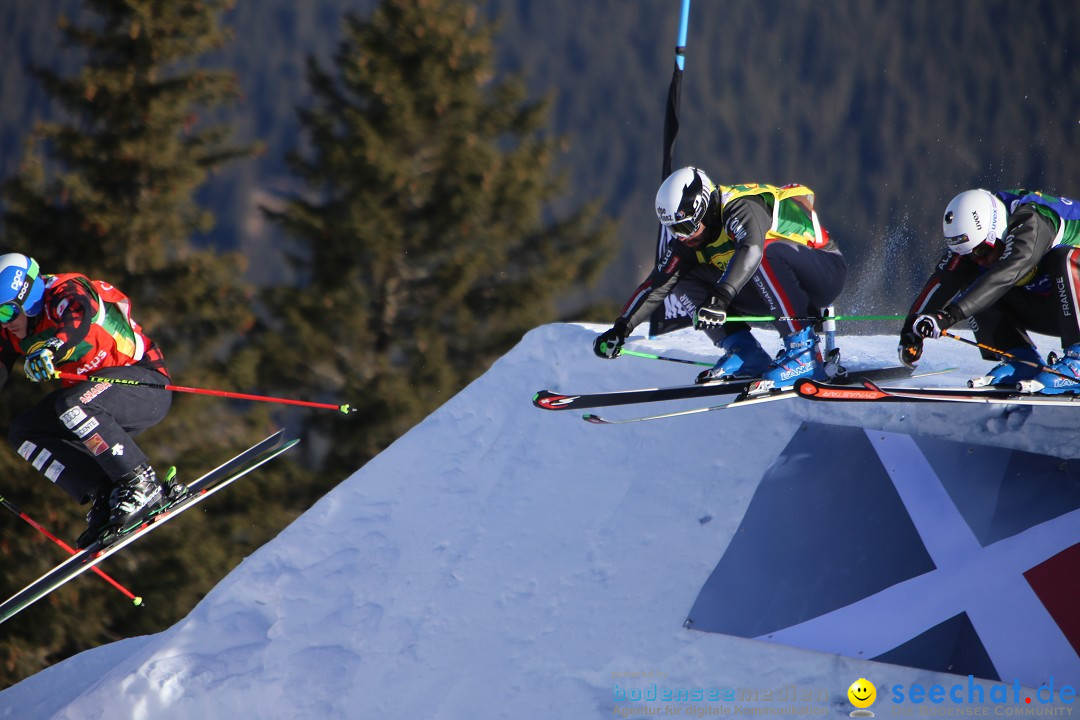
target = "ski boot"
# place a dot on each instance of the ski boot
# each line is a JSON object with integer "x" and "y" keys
{"x": 174, "y": 489}
{"x": 743, "y": 358}
{"x": 1061, "y": 377}
{"x": 97, "y": 520}
{"x": 136, "y": 496}
{"x": 1010, "y": 373}
{"x": 799, "y": 359}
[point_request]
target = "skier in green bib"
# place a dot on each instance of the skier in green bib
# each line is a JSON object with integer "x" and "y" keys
{"x": 1011, "y": 266}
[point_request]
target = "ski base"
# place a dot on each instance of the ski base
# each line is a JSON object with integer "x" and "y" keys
{"x": 870, "y": 392}
{"x": 757, "y": 392}
{"x": 741, "y": 401}
{"x": 550, "y": 400}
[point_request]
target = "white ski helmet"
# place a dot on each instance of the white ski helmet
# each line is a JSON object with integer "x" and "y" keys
{"x": 972, "y": 218}
{"x": 682, "y": 200}
{"x": 21, "y": 286}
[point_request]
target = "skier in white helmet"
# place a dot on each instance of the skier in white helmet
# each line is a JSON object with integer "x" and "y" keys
{"x": 745, "y": 250}
{"x": 1011, "y": 265}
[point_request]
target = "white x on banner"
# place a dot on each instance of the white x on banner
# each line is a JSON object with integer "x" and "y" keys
{"x": 986, "y": 583}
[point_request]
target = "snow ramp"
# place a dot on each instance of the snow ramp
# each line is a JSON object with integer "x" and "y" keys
{"x": 499, "y": 561}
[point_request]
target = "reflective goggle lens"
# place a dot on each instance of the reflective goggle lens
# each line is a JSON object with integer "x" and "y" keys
{"x": 684, "y": 228}
{"x": 953, "y": 242}
{"x": 9, "y": 311}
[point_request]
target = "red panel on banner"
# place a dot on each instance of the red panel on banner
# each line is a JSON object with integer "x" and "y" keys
{"x": 1057, "y": 583}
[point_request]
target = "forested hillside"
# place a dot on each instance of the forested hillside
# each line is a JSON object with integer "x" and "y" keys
{"x": 415, "y": 215}
{"x": 885, "y": 109}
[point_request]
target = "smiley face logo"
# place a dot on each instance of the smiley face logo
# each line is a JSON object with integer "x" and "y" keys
{"x": 862, "y": 693}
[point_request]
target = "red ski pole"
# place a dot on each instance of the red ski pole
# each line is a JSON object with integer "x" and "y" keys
{"x": 345, "y": 409}
{"x": 71, "y": 551}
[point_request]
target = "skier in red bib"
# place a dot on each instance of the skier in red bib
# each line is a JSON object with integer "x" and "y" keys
{"x": 80, "y": 436}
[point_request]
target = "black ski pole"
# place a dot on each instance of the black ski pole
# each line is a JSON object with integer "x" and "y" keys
{"x": 1007, "y": 356}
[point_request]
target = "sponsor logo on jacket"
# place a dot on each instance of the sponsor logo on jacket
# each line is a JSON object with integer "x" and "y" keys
{"x": 87, "y": 367}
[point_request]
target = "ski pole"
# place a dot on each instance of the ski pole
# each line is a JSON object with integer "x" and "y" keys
{"x": 345, "y": 409}
{"x": 650, "y": 356}
{"x": 1007, "y": 356}
{"x": 71, "y": 551}
{"x": 809, "y": 318}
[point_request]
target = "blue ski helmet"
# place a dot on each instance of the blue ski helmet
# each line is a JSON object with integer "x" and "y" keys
{"x": 21, "y": 286}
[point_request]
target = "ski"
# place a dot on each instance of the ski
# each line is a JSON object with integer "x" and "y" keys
{"x": 741, "y": 401}
{"x": 197, "y": 491}
{"x": 210, "y": 477}
{"x": 873, "y": 393}
{"x": 550, "y": 400}
{"x": 750, "y": 397}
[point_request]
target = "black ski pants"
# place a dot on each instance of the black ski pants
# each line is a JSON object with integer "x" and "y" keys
{"x": 792, "y": 280}
{"x": 1047, "y": 306}
{"x": 80, "y": 437}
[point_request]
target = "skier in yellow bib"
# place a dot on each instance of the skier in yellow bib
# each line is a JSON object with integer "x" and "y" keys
{"x": 746, "y": 250}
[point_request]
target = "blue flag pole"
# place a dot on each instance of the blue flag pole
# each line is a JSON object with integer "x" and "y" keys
{"x": 671, "y": 117}
{"x": 680, "y": 42}
{"x": 660, "y": 323}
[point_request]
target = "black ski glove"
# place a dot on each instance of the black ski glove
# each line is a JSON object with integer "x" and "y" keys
{"x": 931, "y": 325}
{"x": 910, "y": 349}
{"x": 609, "y": 343}
{"x": 713, "y": 313}
{"x": 709, "y": 316}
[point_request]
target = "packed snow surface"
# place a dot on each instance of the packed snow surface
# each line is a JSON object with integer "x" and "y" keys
{"x": 499, "y": 561}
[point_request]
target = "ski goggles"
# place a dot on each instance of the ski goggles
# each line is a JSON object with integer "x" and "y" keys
{"x": 974, "y": 249}
{"x": 9, "y": 311}
{"x": 684, "y": 228}
{"x": 966, "y": 244}
{"x": 983, "y": 250}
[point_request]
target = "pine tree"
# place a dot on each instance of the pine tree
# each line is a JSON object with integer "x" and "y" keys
{"x": 428, "y": 239}
{"x": 121, "y": 202}
{"x": 110, "y": 193}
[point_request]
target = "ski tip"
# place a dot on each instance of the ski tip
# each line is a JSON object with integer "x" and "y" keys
{"x": 547, "y": 400}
